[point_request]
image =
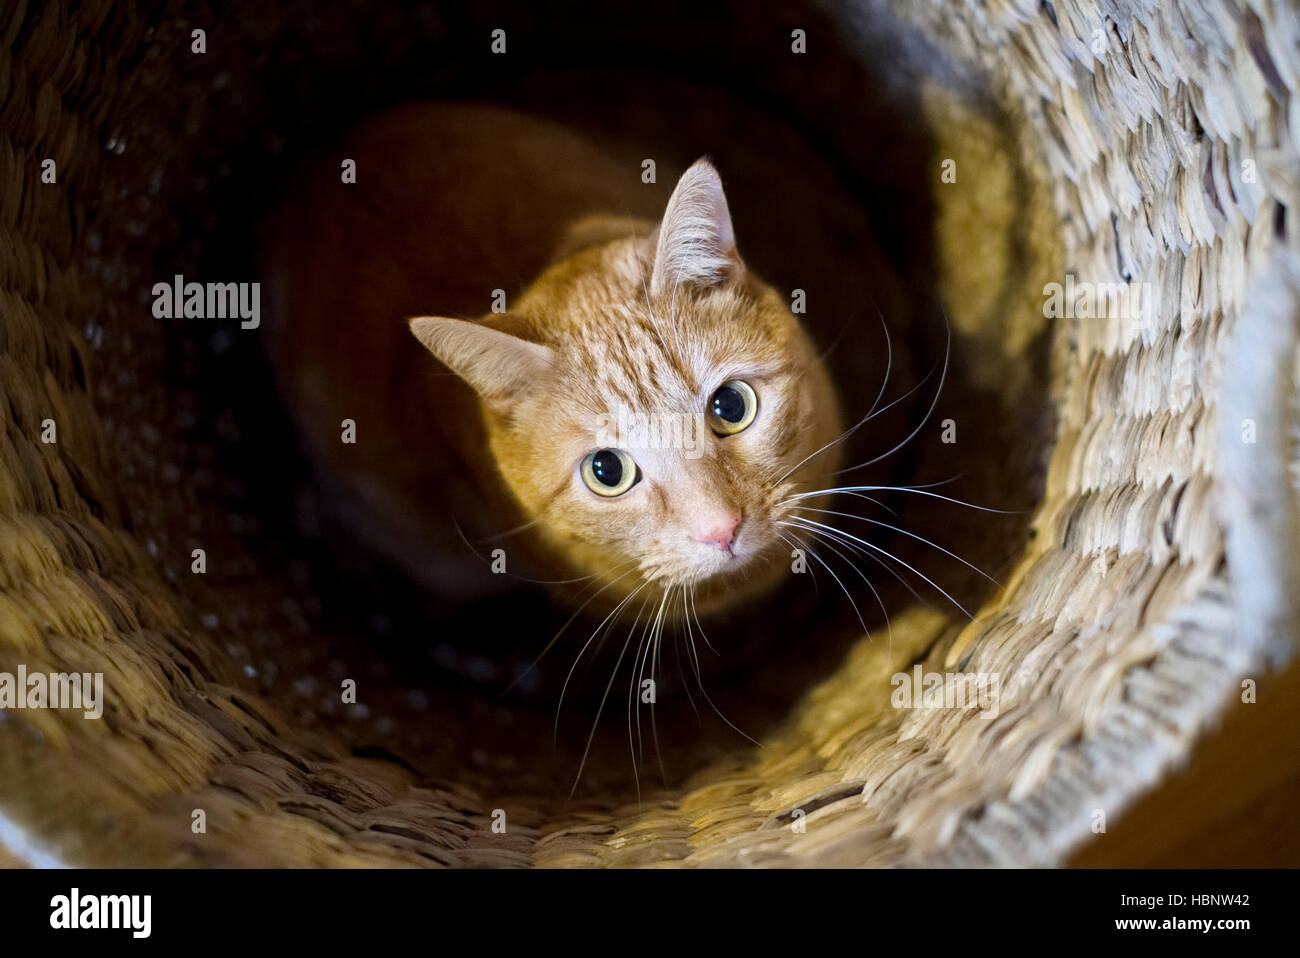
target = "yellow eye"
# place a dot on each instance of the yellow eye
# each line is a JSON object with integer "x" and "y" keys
{"x": 610, "y": 472}
{"x": 732, "y": 408}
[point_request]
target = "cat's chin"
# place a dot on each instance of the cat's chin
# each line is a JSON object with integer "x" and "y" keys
{"x": 737, "y": 579}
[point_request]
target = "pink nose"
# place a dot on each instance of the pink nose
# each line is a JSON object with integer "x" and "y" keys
{"x": 721, "y": 533}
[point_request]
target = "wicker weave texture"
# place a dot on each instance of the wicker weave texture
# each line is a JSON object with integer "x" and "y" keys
{"x": 1152, "y": 143}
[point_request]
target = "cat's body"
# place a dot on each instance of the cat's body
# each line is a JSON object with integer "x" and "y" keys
{"x": 610, "y": 319}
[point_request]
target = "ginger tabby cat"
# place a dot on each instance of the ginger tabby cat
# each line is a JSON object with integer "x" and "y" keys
{"x": 630, "y": 427}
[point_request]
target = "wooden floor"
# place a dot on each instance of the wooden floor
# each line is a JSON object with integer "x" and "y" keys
{"x": 1236, "y": 803}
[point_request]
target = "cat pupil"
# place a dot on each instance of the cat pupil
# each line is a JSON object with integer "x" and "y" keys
{"x": 607, "y": 468}
{"x": 729, "y": 404}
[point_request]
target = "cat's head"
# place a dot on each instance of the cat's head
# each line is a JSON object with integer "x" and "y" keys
{"x": 650, "y": 403}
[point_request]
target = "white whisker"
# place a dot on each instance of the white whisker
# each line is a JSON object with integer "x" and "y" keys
{"x": 947, "y": 351}
{"x": 699, "y": 678}
{"x": 682, "y": 636}
{"x": 601, "y": 708}
{"x": 910, "y": 535}
{"x": 848, "y": 595}
{"x": 916, "y": 490}
{"x": 871, "y": 413}
{"x": 876, "y": 548}
{"x": 613, "y": 612}
{"x": 555, "y": 638}
{"x": 889, "y": 627}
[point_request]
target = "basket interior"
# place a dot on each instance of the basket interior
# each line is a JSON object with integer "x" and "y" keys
{"x": 224, "y": 687}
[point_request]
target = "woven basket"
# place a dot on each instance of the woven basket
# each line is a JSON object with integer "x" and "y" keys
{"x": 1116, "y": 142}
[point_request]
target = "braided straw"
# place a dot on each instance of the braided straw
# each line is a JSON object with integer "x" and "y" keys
{"x": 1151, "y": 142}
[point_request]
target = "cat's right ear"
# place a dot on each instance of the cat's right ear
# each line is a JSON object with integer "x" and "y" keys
{"x": 497, "y": 364}
{"x": 695, "y": 244}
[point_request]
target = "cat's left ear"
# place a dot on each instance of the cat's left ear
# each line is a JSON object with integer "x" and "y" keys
{"x": 695, "y": 244}
{"x": 499, "y": 365}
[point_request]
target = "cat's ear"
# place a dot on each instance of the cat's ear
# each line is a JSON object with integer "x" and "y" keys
{"x": 499, "y": 365}
{"x": 695, "y": 244}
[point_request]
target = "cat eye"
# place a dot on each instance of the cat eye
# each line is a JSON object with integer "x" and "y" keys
{"x": 732, "y": 408}
{"x": 610, "y": 472}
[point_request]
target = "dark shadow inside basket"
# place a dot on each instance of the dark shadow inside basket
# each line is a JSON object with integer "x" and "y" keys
{"x": 828, "y": 174}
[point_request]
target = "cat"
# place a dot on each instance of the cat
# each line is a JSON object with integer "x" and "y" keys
{"x": 629, "y": 427}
